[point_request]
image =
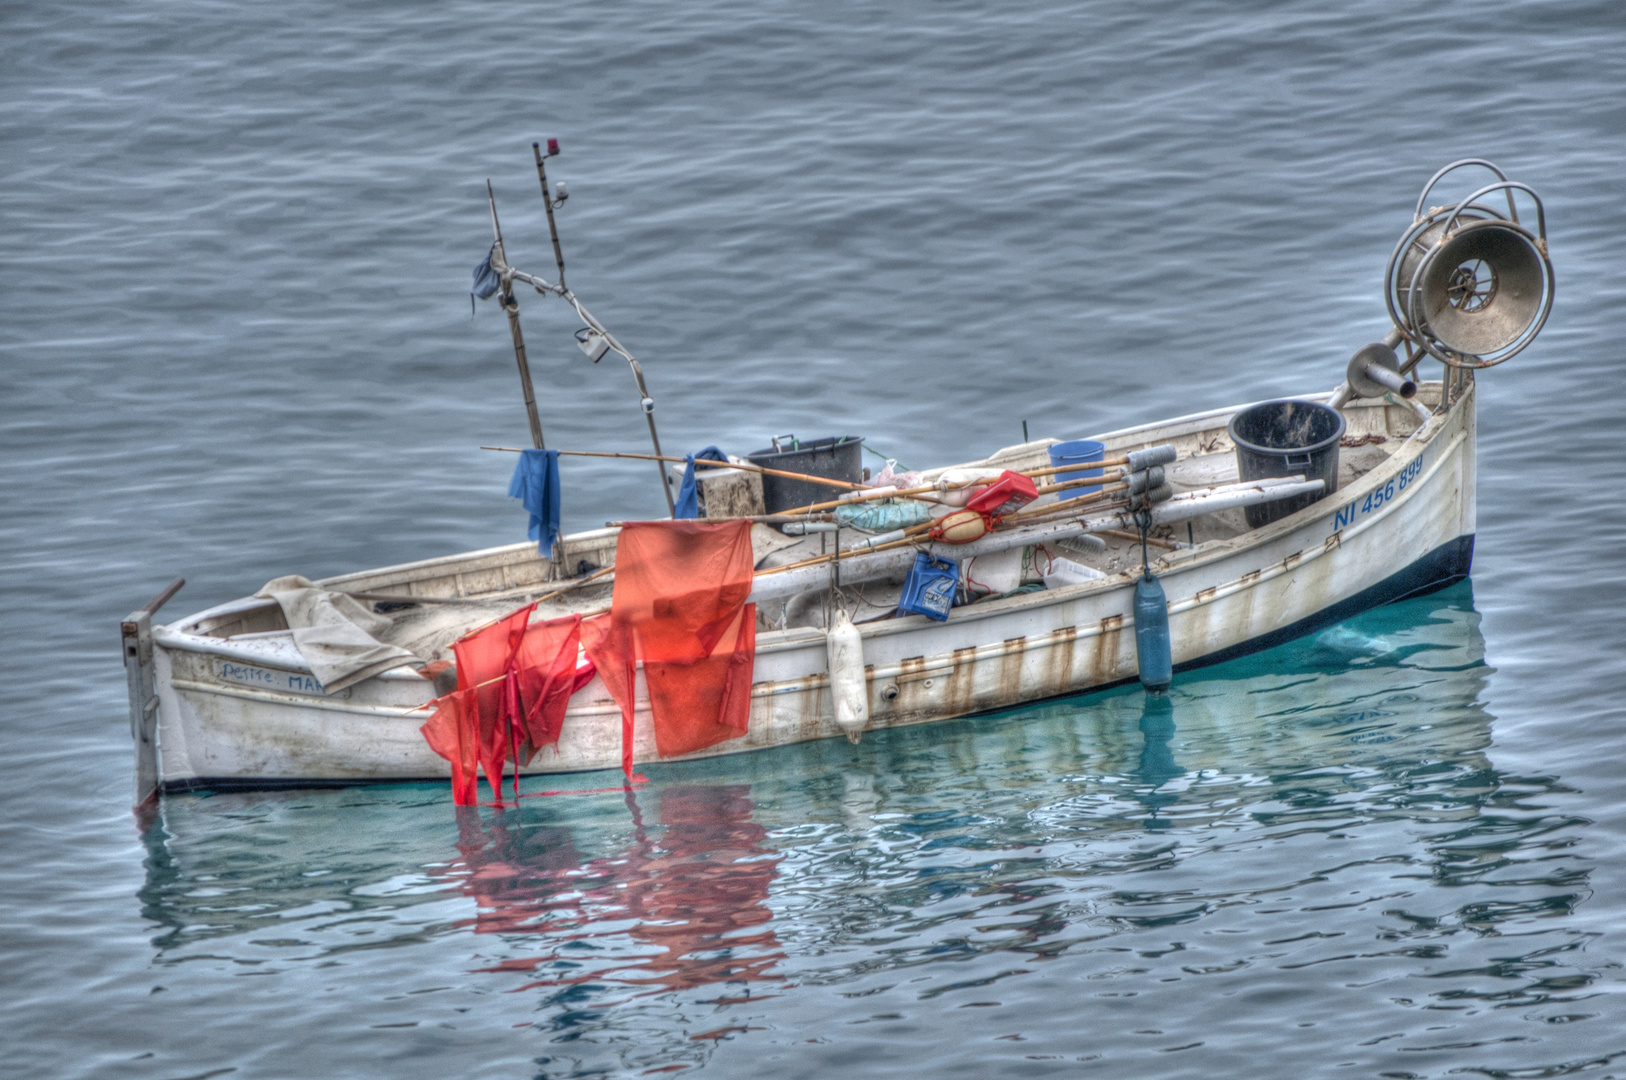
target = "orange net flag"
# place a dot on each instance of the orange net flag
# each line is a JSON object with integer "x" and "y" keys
{"x": 483, "y": 659}
{"x": 679, "y": 606}
{"x": 453, "y": 733}
{"x": 515, "y": 679}
{"x": 545, "y": 676}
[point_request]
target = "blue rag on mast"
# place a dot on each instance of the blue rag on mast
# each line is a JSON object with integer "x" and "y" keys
{"x": 486, "y": 280}
{"x": 536, "y": 486}
{"x": 688, "y": 500}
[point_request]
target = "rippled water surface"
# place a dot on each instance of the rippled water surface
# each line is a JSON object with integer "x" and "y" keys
{"x": 235, "y": 342}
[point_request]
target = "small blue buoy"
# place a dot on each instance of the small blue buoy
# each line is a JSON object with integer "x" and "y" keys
{"x": 1153, "y": 653}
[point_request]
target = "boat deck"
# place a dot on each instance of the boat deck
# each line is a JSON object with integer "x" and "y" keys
{"x": 443, "y": 598}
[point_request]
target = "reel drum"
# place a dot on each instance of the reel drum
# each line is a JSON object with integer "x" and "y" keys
{"x": 1466, "y": 284}
{"x": 1481, "y": 293}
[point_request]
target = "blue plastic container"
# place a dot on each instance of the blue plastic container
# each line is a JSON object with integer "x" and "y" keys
{"x": 1076, "y": 451}
{"x": 929, "y": 588}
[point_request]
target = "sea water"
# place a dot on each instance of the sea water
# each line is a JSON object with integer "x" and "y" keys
{"x": 236, "y": 342}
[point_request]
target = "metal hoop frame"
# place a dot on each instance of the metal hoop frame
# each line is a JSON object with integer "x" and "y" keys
{"x": 1417, "y": 214}
{"x": 1477, "y": 215}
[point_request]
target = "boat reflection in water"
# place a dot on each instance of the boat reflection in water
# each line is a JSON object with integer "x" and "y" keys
{"x": 1221, "y": 835}
{"x": 689, "y": 895}
{"x": 1157, "y": 756}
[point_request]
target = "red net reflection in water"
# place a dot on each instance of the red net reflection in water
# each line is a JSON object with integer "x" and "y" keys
{"x": 673, "y": 911}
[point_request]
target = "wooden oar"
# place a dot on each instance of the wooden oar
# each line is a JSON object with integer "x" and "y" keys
{"x": 1134, "y": 538}
{"x": 577, "y": 583}
{"x": 846, "y": 485}
{"x": 391, "y": 598}
{"x": 835, "y": 556}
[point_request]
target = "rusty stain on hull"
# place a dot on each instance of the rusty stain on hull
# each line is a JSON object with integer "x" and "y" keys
{"x": 1059, "y": 660}
{"x": 1104, "y": 657}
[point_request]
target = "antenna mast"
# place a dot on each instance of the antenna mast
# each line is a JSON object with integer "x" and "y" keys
{"x": 598, "y": 340}
{"x": 511, "y": 306}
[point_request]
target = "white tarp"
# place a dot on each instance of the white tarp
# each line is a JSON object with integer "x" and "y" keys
{"x": 335, "y": 633}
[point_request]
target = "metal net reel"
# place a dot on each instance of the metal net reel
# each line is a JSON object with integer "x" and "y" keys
{"x": 1467, "y": 284}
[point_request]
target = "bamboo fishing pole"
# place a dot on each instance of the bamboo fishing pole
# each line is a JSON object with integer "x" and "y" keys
{"x": 755, "y": 519}
{"x": 1135, "y": 538}
{"x": 1034, "y": 510}
{"x": 890, "y": 545}
{"x": 870, "y": 495}
{"x": 1030, "y": 515}
{"x": 814, "y": 512}
{"x": 926, "y": 489}
{"x": 1051, "y": 470}
{"x": 846, "y": 485}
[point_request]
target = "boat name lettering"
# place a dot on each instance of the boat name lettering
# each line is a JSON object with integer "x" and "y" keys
{"x": 1378, "y": 496}
{"x": 287, "y": 682}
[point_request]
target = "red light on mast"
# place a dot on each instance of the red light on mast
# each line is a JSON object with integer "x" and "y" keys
{"x": 553, "y": 147}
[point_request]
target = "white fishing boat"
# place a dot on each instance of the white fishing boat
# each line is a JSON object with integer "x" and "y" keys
{"x": 228, "y": 697}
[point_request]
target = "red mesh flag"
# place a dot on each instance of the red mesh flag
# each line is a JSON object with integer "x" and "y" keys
{"x": 484, "y": 658}
{"x": 679, "y": 606}
{"x": 614, "y": 662}
{"x": 453, "y": 733}
{"x": 679, "y": 585}
{"x": 544, "y": 678}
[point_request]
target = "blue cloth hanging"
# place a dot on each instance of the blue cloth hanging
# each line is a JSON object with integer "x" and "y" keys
{"x": 486, "y": 280}
{"x": 536, "y": 486}
{"x": 688, "y": 500}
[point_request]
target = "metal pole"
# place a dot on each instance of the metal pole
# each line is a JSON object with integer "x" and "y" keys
{"x": 511, "y": 306}
{"x": 136, "y": 632}
{"x": 547, "y": 201}
{"x": 648, "y": 404}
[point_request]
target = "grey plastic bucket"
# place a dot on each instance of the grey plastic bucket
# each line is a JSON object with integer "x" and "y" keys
{"x": 1287, "y": 438}
{"x": 834, "y": 459}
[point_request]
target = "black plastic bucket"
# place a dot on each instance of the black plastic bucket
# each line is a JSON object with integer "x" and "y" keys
{"x": 1287, "y": 438}
{"x": 835, "y": 459}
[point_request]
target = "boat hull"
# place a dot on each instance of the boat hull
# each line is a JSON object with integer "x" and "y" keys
{"x": 1405, "y": 528}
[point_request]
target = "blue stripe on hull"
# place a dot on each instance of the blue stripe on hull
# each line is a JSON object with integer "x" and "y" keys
{"x": 1443, "y": 567}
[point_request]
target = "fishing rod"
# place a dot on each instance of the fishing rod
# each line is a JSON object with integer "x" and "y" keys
{"x": 745, "y": 466}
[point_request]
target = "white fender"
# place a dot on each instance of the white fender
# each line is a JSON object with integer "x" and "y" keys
{"x": 849, "y": 691}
